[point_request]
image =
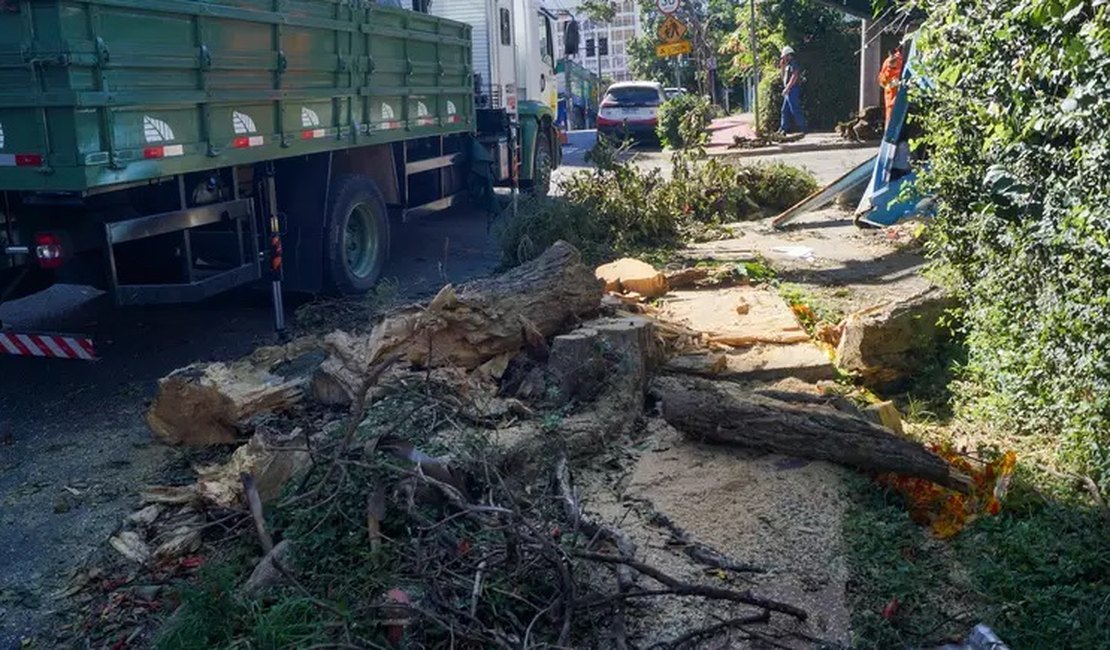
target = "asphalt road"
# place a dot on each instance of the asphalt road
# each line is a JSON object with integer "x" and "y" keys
{"x": 73, "y": 445}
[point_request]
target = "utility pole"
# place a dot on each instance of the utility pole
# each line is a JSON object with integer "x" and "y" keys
{"x": 755, "y": 63}
{"x": 568, "y": 64}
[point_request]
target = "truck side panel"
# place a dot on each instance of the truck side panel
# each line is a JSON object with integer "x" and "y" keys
{"x": 131, "y": 90}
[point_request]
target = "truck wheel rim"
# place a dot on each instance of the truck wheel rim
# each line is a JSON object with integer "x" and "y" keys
{"x": 359, "y": 239}
{"x": 543, "y": 174}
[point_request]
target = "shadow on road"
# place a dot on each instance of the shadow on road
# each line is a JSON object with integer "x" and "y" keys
{"x": 74, "y": 448}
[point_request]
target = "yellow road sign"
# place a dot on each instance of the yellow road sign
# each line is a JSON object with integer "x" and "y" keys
{"x": 671, "y": 30}
{"x": 673, "y": 49}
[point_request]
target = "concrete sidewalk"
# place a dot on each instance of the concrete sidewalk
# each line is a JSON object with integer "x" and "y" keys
{"x": 811, "y": 142}
{"x": 724, "y": 131}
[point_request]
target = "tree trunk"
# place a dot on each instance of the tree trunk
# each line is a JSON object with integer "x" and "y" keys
{"x": 215, "y": 403}
{"x": 710, "y": 412}
{"x": 468, "y": 325}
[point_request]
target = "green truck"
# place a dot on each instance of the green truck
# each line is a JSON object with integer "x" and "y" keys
{"x": 167, "y": 150}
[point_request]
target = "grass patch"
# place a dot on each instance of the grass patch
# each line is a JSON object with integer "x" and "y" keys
{"x": 811, "y": 310}
{"x": 1037, "y": 574}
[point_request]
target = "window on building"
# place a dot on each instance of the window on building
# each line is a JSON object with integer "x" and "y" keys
{"x": 545, "y": 39}
{"x": 506, "y": 27}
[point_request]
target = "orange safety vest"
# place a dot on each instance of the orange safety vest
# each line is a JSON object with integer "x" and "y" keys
{"x": 889, "y": 75}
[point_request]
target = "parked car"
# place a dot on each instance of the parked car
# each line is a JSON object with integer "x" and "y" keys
{"x": 671, "y": 93}
{"x": 630, "y": 109}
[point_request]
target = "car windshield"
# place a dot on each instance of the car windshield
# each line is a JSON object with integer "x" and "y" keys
{"x": 633, "y": 96}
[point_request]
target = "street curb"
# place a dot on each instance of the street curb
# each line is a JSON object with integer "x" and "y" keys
{"x": 801, "y": 147}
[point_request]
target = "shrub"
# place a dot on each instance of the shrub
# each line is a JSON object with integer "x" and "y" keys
{"x": 1015, "y": 123}
{"x": 778, "y": 186}
{"x": 770, "y": 100}
{"x": 681, "y": 116}
{"x": 621, "y": 209}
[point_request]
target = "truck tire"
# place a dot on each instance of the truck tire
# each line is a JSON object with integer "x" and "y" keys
{"x": 357, "y": 237}
{"x": 542, "y": 164}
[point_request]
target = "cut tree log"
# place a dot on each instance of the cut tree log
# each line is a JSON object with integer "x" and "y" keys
{"x": 216, "y": 403}
{"x": 715, "y": 413}
{"x": 271, "y": 464}
{"x": 633, "y": 276}
{"x": 687, "y": 278}
{"x": 887, "y": 344}
{"x": 468, "y": 325}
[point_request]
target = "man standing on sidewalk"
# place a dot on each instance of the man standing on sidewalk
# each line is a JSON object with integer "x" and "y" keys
{"x": 791, "y": 93}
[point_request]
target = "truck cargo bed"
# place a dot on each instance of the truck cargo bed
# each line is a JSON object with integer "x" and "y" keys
{"x": 96, "y": 93}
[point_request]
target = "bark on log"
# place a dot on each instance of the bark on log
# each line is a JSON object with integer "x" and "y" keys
{"x": 468, "y": 325}
{"x": 709, "y": 412}
{"x": 215, "y": 403}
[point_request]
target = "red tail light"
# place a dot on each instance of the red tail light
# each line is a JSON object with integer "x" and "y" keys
{"x": 48, "y": 250}
{"x": 28, "y": 160}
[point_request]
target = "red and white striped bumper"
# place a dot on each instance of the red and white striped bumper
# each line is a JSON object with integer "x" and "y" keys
{"x": 53, "y": 346}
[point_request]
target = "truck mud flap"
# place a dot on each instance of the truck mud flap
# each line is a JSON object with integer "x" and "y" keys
{"x": 76, "y": 347}
{"x": 232, "y": 224}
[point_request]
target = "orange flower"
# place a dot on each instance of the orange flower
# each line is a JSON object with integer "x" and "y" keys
{"x": 947, "y": 512}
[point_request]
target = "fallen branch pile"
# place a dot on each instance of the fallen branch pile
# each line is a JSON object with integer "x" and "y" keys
{"x": 440, "y": 510}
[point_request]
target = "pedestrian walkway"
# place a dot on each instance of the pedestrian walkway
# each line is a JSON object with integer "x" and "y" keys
{"x": 724, "y": 131}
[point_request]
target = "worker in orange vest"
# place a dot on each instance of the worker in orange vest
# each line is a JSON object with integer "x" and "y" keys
{"x": 890, "y": 77}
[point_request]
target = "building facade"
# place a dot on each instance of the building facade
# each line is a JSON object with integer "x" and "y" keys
{"x": 613, "y": 37}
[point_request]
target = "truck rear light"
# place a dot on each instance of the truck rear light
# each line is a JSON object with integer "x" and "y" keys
{"x": 48, "y": 250}
{"x": 248, "y": 142}
{"x": 168, "y": 151}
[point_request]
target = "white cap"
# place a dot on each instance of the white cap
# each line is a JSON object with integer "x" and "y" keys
{"x": 787, "y": 51}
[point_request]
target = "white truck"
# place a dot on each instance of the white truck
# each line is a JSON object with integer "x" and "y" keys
{"x": 514, "y": 72}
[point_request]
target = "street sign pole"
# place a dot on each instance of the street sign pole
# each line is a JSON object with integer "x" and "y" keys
{"x": 755, "y": 64}
{"x": 598, "y": 44}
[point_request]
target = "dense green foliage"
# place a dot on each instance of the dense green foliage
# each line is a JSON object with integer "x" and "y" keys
{"x": 1016, "y": 120}
{"x": 621, "y": 208}
{"x": 684, "y": 113}
{"x": 1036, "y": 574}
